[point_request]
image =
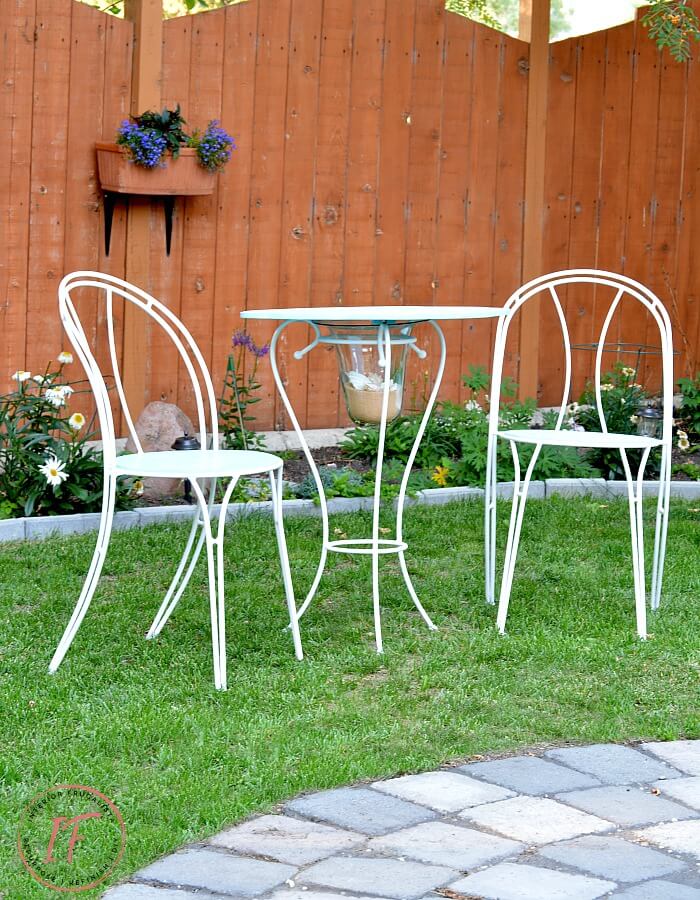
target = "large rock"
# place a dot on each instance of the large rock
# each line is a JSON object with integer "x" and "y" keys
{"x": 157, "y": 428}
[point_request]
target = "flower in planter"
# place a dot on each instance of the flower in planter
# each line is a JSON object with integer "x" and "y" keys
{"x": 147, "y": 139}
{"x": 214, "y": 147}
{"x": 144, "y": 146}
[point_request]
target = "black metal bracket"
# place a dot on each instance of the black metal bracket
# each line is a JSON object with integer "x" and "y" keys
{"x": 110, "y": 201}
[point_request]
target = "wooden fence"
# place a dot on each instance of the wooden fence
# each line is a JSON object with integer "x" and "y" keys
{"x": 380, "y": 160}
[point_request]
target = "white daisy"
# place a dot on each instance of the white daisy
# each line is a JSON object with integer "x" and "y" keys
{"x": 683, "y": 442}
{"x": 65, "y": 390}
{"x": 20, "y": 375}
{"x": 55, "y": 397}
{"x": 64, "y": 357}
{"x": 628, "y": 372}
{"x": 42, "y": 379}
{"x": 76, "y": 421}
{"x": 607, "y": 386}
{"x": 54, "y": 471}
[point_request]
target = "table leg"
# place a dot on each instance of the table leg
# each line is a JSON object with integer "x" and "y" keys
{"x": 312, "y": 466}
{"x": 409, "y": 465}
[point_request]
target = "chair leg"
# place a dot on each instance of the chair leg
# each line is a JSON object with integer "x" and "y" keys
{"x": 179, "y": 583}
{"x": 412, "y": 591}
{"x": 490, "y": 521}
{"x": 661, "y": 530}
{"x": 634, "y": 495}
{"x": 276, "y": 490}
{"x": 515, "y": 527}
{"x": 93, "y": 575}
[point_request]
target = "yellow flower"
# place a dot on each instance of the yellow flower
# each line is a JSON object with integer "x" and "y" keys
{"x": 439, "y": 476}
{"x": 137, "y": 487}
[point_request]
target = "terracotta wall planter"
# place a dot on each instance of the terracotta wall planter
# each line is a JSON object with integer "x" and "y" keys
{"x": 183, "y": 176}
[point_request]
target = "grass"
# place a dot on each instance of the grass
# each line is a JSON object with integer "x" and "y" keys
{"x": 141, "y": 721}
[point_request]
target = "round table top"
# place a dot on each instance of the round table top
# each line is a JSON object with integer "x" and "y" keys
{"x": 375, "y": 314}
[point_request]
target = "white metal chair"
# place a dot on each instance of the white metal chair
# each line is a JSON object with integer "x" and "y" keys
{"x": 547, "y": 286}
{"x": 199, "y": 466}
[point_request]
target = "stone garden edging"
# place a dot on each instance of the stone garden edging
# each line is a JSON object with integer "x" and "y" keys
{"x": 80, "y": 523}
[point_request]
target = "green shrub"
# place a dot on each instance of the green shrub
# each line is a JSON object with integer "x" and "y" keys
{"x": 690, "y": 410}
{"x": 46, "y": 467}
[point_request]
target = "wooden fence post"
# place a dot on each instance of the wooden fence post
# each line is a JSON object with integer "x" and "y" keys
{"x": 534, "y": 27}
{"x": 147, "y": 16}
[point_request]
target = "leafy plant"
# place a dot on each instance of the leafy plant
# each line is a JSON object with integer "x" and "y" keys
{"x": 453, "y": 449}
{"x": 621, "y": 397}
{"x": 690, "y": 410}
{"x": 672, "y": 24}
{"x": 692, "y": 470}
{"x": 168, "y": 123}
{"x": 46, "y": 467}
{"x": 239, "y": 394}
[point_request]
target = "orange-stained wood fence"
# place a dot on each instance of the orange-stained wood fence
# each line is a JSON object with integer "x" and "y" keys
{"x": 380, "y": 160}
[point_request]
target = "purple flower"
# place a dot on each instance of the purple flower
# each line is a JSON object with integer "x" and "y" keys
{"x": 146, "y": 146}
{"x": 242, "y": 339}
{"x": 214, "y": 147}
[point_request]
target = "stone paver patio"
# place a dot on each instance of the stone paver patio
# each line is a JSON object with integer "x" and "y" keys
{"x": 574, "y": 823}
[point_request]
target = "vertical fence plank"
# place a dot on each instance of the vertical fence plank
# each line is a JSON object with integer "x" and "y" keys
{"x": 331, "y": 162}
{"x": 641, "y": 205}
{"x": 241, "y": 24}
{"x": 457, "y": 129}
{"x": 199, "y": 229}
{"x": 166, "y": 372}
{"x": 297, "y": 237}
{"x": 559, "y": 154}
{"x": 483, "y": 177}
{"x": 614, "y": 160}
{"x": 588, "y": 124}
{"x": 16, "y": 93}
{"x": 510, "y": 190}
{"x": 267, "y": 172}
{"x": 48, "y": 179}
{"x": 668, "y": 176}
{"x": 394, "y": 140}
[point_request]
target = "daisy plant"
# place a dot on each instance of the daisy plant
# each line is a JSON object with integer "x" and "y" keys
{"x": 46, "y": 465}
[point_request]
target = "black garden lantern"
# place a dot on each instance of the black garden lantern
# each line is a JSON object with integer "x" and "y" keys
{"x": 187, "y": 442}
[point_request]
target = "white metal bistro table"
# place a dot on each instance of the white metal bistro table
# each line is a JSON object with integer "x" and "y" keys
{"x": 385, "y": 322}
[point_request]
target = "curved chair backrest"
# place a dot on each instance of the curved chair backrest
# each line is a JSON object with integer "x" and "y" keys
{"x": 548, "y": 285}
{"x": 108, "y": 287}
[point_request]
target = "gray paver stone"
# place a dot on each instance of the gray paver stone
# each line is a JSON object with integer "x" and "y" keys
{"x": 305, "y": 894}
{"x": 613, "y": 763}
{"x": 511, "y": 882}
{"x": 439, "y": 496}
{"x": 530, "y": 775}
{"x": 679, "y": 837}
{"x": 627, "y": 805}
{"x": 287, "y": 840}
{"x": 684, "y": 755}
{"x": 658, "y": 890}
{"x": 445, "y": 844}
{"x": 612, "y": 857}
{"x": 444, "y": 791}
{"x": 687, "y": 790}
{"x": 387, "y": 877}
{"x": 535, "y": 820}
{"x": 218, "y": 872}
{"x": 126, "y": 519}
{"x": 148, "y": 892}
{"x": 40, "y": 527}
{"x": 361, "y": 809}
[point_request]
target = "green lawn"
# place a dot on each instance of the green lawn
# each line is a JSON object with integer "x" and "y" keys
{"x": 141, "y": 721}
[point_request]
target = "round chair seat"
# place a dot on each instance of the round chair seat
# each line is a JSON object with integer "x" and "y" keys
{"x": 584, "y": 439}
{"x": 197, "y": 463}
